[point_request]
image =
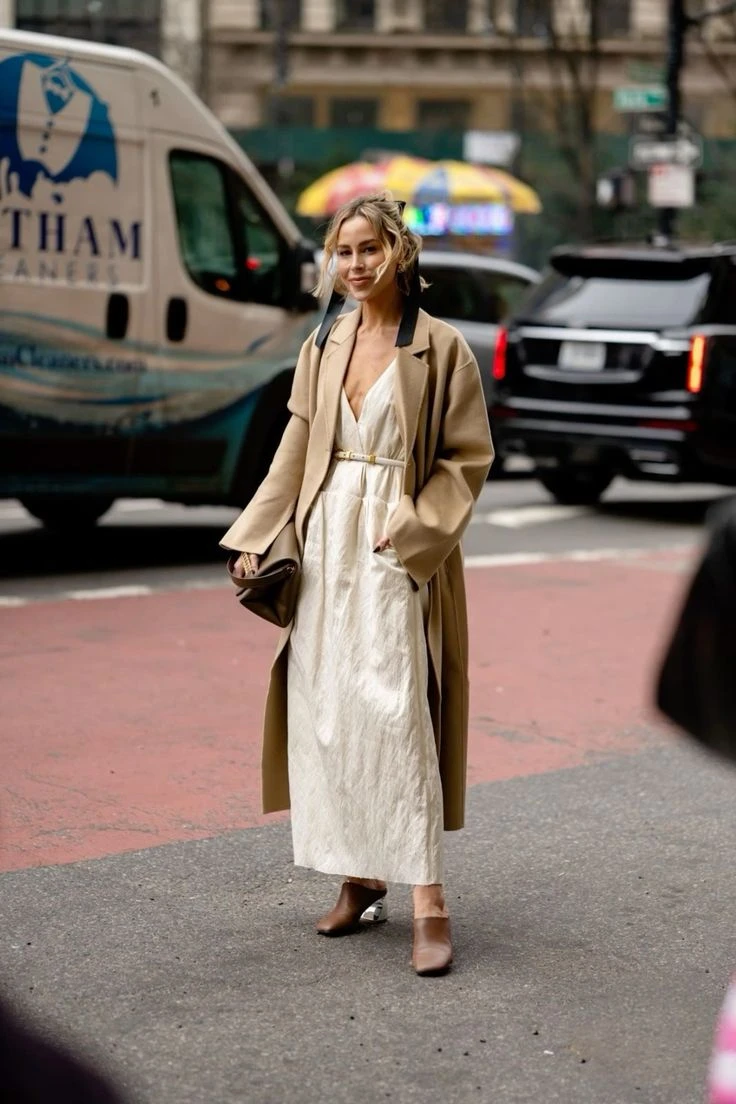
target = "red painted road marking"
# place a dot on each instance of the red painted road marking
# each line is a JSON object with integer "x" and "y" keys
{"x": 134, "y": 722}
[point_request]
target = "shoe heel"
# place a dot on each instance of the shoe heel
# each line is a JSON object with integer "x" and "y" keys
{"x": 377, "y": 913}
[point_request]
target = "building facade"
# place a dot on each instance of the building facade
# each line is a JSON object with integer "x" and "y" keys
{"x": 170, "y": 29}
{"x": 394, "y": 65}
{"x": 446, "y": 64}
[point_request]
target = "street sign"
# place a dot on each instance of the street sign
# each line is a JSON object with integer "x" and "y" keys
{"x": 490, "y": 147}
{"x": 652, "y": 124}
{"x": 635, "y": 97}
{"x": 671, "y": 186}
{"x": 645, "y": 151}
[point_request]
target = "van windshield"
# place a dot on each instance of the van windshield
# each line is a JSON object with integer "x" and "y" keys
{"x": 630, "y": 303}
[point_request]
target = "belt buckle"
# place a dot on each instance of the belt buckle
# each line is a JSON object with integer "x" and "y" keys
{"x": 371, "y": 458}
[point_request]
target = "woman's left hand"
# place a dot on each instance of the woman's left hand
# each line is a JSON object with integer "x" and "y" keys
{"x": 383, "y": 544}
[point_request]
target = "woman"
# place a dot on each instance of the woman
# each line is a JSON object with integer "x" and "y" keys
{"x": 387, "y": 448}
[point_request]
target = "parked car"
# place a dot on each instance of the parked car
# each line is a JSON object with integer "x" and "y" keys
{"x": 622, "y": 362}
{"x": 475, "y": 293}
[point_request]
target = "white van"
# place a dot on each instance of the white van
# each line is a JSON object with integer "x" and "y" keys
{"x": 153, "y": 290}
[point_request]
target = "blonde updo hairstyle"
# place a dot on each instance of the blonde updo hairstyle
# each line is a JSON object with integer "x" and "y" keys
{"x": 385, "y": 216}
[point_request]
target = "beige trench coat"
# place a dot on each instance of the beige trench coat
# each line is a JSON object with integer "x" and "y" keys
{"x": 444, "y": 425}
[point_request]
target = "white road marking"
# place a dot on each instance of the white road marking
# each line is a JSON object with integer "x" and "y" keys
{"x": 518, "y": 517}
{"x": 519, "y": 464}
{"x": 134, "y": 505}
{"x": 13, "y": 511}
{"x": 472, "y": 563}
{"x": 577, "y": 555}
{"x": 110, "y": 592}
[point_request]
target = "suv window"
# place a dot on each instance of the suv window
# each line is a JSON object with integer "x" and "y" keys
{"x": 634, "y": 303}
{"x": 474, "y": 295}
{"x": 722, "y": 306}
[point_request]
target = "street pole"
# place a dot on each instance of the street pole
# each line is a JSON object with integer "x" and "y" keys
{"x": 281, "y": 42}
{"x": 678, "y": 24}
{"x": 203, "y": 74}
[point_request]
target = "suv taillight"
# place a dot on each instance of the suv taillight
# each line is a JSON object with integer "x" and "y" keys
{"x": 498, "y": 368}
{"x": 696, "y": 363}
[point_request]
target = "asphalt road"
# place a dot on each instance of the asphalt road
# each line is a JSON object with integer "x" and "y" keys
{"x": 150, "y": 915}
{"x": 158, "y": 545}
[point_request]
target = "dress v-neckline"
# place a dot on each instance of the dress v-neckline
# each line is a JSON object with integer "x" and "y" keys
{"x": 376, "y": 381}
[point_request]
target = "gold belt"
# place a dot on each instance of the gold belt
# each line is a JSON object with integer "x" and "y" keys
{"x": 367, "y": 458}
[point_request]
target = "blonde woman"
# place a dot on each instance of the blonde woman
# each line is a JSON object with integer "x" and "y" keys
{"x": 386, "y": 451}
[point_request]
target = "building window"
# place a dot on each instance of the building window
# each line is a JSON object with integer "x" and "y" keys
{"x": 441, "y": 17}
{"x": 355, "y": 15}
{"x": 290, "y": 111}
{"x": 443, "y": 114}
{"x": 354, "y": 113}
{"x": 533, "y": 18}
{"x": 614, "y": 19}
{"x": 133, "y": 23}
{"x": 281, "y": 13}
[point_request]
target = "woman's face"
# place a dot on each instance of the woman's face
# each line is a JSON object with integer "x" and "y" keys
{"x": 359, "y": 257}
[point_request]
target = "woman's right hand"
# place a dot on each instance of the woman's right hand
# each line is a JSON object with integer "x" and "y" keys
{"x": 247, "y": 563}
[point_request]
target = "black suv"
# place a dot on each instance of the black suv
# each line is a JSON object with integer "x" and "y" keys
{"x": 622, "y": 361}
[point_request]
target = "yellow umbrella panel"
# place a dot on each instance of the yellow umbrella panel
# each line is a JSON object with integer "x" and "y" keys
{"x": 418, "y": 182}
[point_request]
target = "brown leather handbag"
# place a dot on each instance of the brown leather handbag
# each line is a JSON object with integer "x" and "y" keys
{"x": 272, "y": 592}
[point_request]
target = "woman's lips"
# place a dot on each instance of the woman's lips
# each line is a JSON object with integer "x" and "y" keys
{"x": 360, "y": 281}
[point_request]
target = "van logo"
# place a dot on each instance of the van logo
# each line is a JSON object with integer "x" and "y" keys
{"x": 74, "y": 136}
{"x": 66, "y": 210}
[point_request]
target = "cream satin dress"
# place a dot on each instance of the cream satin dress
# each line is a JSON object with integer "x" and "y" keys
{"x": 366, "y": 797}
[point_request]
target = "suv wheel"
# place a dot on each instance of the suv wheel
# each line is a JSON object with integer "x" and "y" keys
{"x": 576, "y": 486}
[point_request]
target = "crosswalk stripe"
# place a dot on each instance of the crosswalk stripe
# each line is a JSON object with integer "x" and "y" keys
{"x": 576, "y": 555}
{"x": 518, "y": 517}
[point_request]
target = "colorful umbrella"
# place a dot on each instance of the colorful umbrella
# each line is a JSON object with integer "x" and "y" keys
{"x": 419, "y": 183}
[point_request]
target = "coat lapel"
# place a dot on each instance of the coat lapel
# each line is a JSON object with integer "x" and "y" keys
{"x": 333, "y": 364}
{"x": 335, "y": 360}
{"x": 410, "y": 384}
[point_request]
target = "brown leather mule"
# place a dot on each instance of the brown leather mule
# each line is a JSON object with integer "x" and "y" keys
{"x": 344, "y": 918}
{"x": 432, "y": 950}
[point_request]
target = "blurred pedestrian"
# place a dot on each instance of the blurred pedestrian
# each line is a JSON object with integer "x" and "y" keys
{"x": 387, "y": 449}
{"x": 34, "y": 1070}
{"x": 697, "y": 689}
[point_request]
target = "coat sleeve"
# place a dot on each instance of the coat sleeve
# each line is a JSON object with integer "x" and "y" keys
{"x": 274, "y": 502}
{"x": 424, "y": 530}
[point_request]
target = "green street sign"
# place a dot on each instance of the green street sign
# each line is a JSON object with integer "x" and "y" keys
{"x": 634, "y": 97}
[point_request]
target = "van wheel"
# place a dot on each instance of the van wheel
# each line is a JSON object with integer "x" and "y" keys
{"x": 576, "y": 486}
{"x": 261, "y": 440}
{"x": 62, "y": 513}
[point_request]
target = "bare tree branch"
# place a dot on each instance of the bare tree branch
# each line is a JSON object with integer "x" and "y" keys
{"x": 720, "y": 67}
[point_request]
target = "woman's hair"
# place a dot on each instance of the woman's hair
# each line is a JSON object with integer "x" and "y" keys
{"x": 385, "y": 216}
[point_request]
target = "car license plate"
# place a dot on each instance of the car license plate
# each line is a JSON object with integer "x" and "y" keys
{"x": 582, "y": 356}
